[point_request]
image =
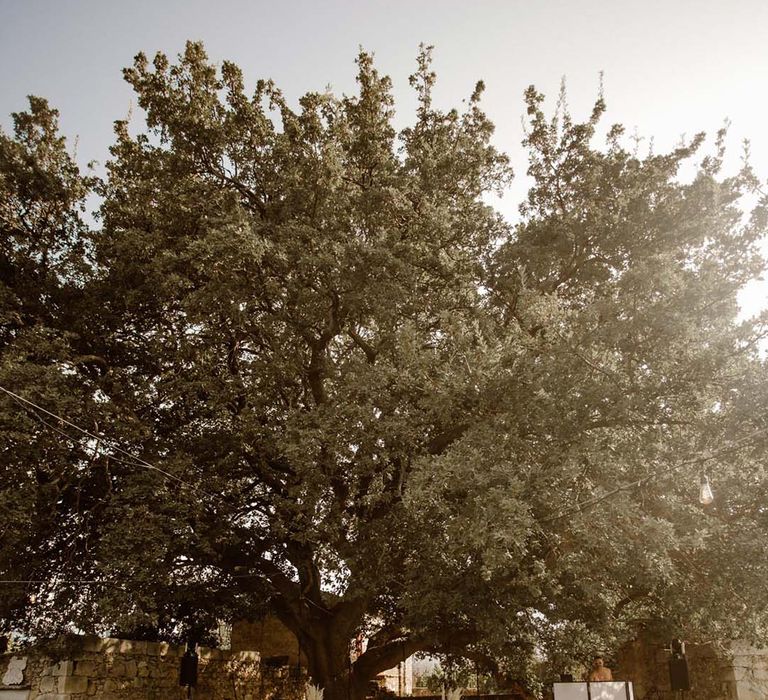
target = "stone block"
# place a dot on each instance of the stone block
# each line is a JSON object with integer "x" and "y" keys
{"x": 161, "y": 670}
{"x": 125, "y": 646}
{"x": 85, "y": 668}
{"x": 153, "y": 648}
{"x": 156, "y": 671}
{"x": 110, "y": 686}
{"x": 143, "y": 669}
{"x": 110, "y": 646}
{"x": 14, "y": 674}
{"x": 74, "y": 684}
{"x": 140, "y": 647}
{"x": 63, "y": 668}
{"x": 207, "y": 653}
{"x": 131, "y": 668}
{"x": 117, "y": 669}
{"x": 165, "y": 649}
{"x": 47, "y": 684}
{"x": 93, "y": 644}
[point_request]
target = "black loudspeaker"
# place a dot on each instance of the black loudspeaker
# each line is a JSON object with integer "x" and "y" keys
{"x": 678, "y": 673}
{"x": 188, "y": 671}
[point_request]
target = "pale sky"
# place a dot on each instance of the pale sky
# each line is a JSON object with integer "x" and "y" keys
{"x": 671, "y": 68}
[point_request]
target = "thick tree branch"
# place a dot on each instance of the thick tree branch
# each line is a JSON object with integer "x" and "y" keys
{"x": 370, "y": 352}
{"x": 440, "y": 442}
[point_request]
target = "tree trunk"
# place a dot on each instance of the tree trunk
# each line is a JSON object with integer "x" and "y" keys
{"x": 330, "y": 667}
{"x": 345, "y": 687}
{"x": 326, "y": 633}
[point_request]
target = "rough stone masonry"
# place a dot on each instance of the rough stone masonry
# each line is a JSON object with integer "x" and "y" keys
{"x": 90, "y": 668}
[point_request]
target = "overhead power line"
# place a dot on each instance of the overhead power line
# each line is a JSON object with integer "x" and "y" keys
{"x": 698, "y": 459}
{"x": 33, "y": 408}
{"x": 97, "y": 582}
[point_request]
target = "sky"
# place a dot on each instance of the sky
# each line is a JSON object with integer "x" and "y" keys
{"x": 671, "y": 68}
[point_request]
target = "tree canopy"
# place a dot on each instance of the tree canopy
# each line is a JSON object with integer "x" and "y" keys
{"x": 324, "y": 379}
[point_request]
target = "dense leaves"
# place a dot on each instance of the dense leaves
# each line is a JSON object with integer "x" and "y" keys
{"x": 351, "y": 395}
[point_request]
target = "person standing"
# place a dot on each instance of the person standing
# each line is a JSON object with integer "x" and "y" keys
{"x": 599, "y": 672}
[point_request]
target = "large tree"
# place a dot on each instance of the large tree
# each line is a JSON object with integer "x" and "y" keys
{"x": 330, "y": 383}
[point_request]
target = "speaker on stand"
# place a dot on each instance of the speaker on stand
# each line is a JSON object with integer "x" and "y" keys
{"x": 679, "y": 677}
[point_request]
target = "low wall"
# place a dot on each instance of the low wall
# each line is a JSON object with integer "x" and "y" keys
{"x": 738, "y": 674}
{"x": 89, "y": 668}
{"x": 749, "y": 670}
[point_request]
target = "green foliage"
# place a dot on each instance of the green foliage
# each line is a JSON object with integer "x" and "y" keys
{"x": 360, "y": 400}
{"x": 453, "y": 673}
{"x": 44, "y": 477}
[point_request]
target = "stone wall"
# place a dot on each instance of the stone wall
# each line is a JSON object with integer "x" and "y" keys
{"x": 738, "y": 673}
{"x": 88, "y": 668}
{"x": 748, "y": 672}
{"x": 270, "y": 636}
{"x": 275, "y": 641}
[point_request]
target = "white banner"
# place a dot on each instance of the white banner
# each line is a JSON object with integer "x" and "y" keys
{"x": 603, "y": 690}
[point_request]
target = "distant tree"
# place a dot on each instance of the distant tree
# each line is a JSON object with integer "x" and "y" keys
{"x": 457, "y": 673}
{"x": 360, "y": 400}
{"x": 43, "y": 273}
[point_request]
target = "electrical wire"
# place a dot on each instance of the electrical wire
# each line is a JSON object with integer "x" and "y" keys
{"x": 699, "y": 459}
{"x": 33, "y": 408}
{"x": 96, "y": 582}
{"x": 56, "y": 583}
